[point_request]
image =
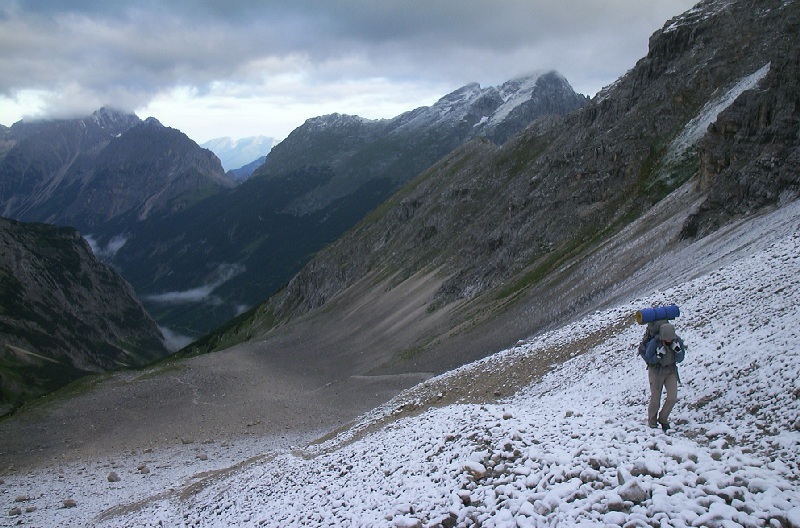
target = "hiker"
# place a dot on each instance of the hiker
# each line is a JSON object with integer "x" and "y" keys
{"x": 662, "y": 354}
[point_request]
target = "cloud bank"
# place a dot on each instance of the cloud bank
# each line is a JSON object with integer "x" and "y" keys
{"x": 302, "y": 56}
{"x": 204, "y": 293}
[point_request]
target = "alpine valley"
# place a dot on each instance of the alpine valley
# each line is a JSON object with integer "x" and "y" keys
{"x": 162, "y": 211}
{"x": 475, "y": 259}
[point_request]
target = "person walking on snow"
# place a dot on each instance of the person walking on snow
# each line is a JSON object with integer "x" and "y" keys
{"x": 662, "y": 355}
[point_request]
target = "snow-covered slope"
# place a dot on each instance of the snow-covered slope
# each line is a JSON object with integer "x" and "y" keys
{"x": 571, "y": 448}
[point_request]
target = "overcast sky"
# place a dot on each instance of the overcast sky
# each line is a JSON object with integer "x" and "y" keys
{"x": 240, "y": 68}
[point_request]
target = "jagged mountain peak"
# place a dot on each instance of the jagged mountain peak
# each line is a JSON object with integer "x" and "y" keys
{"x": 498, "y": 112}
{"x": 525, "y": 81}
{"x": 461, "y": 95}
{"x": 108, "y": 115}
{"x": 105, "y": 121}
{"x": 85, "y": 171}
{"x": 152, "y": 121}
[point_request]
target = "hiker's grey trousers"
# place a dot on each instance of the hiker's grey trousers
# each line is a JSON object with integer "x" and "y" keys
{"x": 661, "y": 378}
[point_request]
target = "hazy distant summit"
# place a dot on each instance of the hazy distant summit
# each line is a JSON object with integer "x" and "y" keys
{"x": 236, "y": 153}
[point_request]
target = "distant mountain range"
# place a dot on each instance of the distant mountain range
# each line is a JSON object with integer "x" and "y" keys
{"x": 237, "y": 153}
{"x": 199, "y": 249}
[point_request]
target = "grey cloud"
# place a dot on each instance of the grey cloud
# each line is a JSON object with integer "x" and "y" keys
{"x": 204, "y": 293}
{"x": 110, "y": 249}
{"x": 173, "y": 340}
{"x": 124, "y": 53}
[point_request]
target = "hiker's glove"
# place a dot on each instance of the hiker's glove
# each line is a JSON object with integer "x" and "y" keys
{"x": 676, "y": 347}
{"x": 660, "y": 352}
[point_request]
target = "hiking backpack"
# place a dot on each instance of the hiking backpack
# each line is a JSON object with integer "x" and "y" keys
{"x": 654, "y": 318}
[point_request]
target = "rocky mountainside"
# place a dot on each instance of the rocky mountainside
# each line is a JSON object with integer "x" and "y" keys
{"x": 317, "y": 183}
{"x": 85, "y": 172}
{"x": 38, "y": 155}
{"x": 494, "y": 243}
{"x": 63, "y": 314}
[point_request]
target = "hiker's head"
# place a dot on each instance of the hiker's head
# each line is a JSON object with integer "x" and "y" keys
{"x": 667, "y": 333}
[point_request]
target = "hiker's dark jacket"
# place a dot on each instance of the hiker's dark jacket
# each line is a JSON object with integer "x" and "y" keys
{"x": 670, "y": 358}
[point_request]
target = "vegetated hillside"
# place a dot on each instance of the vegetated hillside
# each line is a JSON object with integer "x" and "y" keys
{"x": 63, "y": 314}
{"x": 107, "y": 166}
{"x": 538, "y": 230}
{"x": 317, "y": 183}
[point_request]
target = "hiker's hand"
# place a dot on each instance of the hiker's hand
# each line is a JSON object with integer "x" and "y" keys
{"x": 660, "y": 352}
{"x": 676, "y": 347}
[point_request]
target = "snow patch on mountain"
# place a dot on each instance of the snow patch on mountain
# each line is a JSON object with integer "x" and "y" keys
{"x": 514, "y": 93}
{"x": 486, "y": 106}
{"x": 697, "y": 127}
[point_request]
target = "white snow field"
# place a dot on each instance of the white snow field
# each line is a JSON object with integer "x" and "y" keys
{"x": 570, "y": 449}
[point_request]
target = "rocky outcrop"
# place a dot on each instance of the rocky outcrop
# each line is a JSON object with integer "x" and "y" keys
{"x": 750, "y": 157}
{"x": 63, "y": 314}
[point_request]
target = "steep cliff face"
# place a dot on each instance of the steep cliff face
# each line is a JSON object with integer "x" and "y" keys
{"x": 494, "y": 227}
{"x": 750, "y": 157}
{"x": 63, "y": 314}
